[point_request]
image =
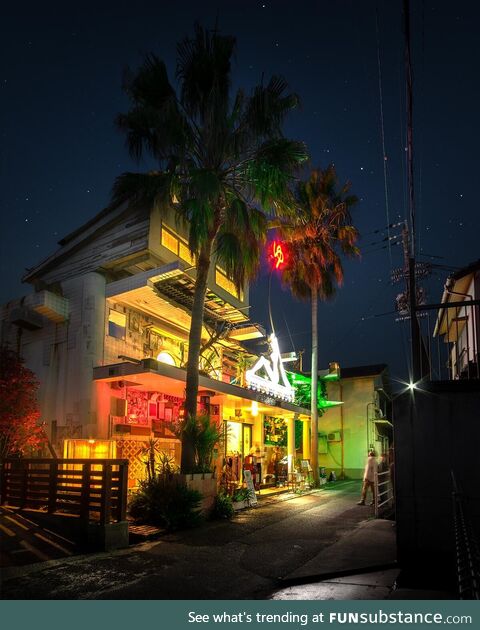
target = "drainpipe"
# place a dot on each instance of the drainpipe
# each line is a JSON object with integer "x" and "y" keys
{"x": 368, "y": 426}
{"x": 342, "y": 472}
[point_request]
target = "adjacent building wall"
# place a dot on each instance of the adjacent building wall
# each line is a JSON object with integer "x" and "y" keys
{"x": 349, "y": 420}
{"x": 437, "y": 432}
{"x": 62, "y": 355}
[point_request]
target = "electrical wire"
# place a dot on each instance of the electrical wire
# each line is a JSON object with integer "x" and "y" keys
{"x": 384, "y": 229}
{"x": 384, "y": 240}
{"x": 270, "y": 301}
{"x": 420, "y": 130}
{"x": 289, "y": 333}
{"x": 361, "y": 319}
{"x": 382, "y": 128}
{"x": 378, "y": 249}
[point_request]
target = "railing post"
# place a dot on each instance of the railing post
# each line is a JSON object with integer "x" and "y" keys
{"x": 122, "y": 491}
{"x": 3, "y": 482}
{"x": 52, "y": 488}
{"x": 376, "y": 491}
{"x": 106, "y": 501}
{"x": 24, "y": 482}
{"x": 85, "y": 501}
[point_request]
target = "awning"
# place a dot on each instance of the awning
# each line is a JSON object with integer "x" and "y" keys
{"x": 152, "y": 375}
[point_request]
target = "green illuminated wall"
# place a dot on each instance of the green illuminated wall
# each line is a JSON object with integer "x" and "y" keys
{"x": 303, "y": 384}
{"x": 356, "y": 394}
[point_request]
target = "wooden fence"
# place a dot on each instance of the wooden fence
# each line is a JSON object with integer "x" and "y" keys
{"x": 91, "y": 489}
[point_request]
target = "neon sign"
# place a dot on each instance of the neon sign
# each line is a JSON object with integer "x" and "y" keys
{"x": 278, "y": 255}
{"x": 268, "y": 375}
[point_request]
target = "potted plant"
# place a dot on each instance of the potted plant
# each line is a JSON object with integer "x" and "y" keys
{"x": 204, "y": 435}
{"x": 241, "y": 498}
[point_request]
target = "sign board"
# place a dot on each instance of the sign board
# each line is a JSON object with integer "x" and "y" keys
{"x": 269, "y": 376}
{"x": 247, "y": 477}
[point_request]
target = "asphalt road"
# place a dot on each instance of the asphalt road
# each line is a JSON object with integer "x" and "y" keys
{"x": 241, "y": 559}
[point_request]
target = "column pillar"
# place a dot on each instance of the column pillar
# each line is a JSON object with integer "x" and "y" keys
{"x": 291, "y": 444}
{"x": 306, "y": 439}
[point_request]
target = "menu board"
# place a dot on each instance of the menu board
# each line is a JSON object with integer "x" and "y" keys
{"x": 247, "y": 477}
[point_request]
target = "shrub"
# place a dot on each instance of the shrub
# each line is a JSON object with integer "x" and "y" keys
{"x": 203, "y": 434}
{"x": 223, "y": 507}
{"x": 242, "y": 494}
{"x": 166, "y": 501}
{"x": 20, "y": 432}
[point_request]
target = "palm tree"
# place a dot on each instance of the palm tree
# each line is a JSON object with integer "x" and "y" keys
{"x": 223, "y": 165}
{"x": 320, "y": 234}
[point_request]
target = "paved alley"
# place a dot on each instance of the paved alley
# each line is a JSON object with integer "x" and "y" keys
{"x": 245, "y": 558}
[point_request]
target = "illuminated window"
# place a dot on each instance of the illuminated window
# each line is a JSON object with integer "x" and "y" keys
{"x": 184, "y": 253}
{"x": 177, "y": 245}
{"x": 169, "y": 241}
{"x": 226, "y": 284}
{"x": 117, "y": 324}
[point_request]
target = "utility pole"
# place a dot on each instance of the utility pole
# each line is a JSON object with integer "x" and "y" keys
{"x": 412, "y": 291}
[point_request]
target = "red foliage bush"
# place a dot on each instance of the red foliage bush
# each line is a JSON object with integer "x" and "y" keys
{"x": 20, "y": 432}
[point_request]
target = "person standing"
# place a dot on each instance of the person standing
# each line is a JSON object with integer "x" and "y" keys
{"x": 371, "y": 469}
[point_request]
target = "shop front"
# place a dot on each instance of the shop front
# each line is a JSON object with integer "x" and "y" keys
{"x": 140, "y": 401}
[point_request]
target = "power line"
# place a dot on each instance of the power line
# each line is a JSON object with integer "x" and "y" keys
{"x": 378, "y": 249}
{"x": 384, "y": 154}
{"x": 384, "y": 229}
{"x": 384, "y": 240}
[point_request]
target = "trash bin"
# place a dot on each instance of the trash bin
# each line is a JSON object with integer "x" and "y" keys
{"x": 323, "y": 476}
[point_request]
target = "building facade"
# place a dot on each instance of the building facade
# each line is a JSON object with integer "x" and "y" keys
{"x": 105, "y": 329}
{"x": 459, "y": 328}
{"x": 362, "y": 422}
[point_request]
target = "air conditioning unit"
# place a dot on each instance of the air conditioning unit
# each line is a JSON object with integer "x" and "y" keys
{"x": 322, "y": 444}
{"x": 122, "y": 428}
{"x": 335, "y": 436}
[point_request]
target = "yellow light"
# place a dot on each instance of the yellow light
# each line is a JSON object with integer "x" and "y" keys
{"x": 254, "y": 408}
{"x": 89, "y": 449}
{"x": 166, "y": 357}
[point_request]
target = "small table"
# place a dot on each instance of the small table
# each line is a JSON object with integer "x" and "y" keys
{"x": 296, "y": 481}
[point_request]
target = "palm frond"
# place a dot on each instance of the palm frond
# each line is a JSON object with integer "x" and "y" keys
{"x": 320, "y": 234}
{"x": 154, "y": 123}
{"x": 203, "y": 68}
{"x": 267, "y": 108}
{"x": 270, "y": 173}
{"x": 143, "y": 190}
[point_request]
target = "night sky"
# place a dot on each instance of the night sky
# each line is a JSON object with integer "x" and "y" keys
{"x": 60, "y": 84}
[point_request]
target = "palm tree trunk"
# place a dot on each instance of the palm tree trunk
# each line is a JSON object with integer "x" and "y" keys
{"x": 314, "y": 393}
{"x": 194, "y": 345}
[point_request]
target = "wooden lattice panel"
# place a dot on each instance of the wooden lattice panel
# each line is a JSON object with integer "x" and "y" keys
{"x": 134, "y": 451}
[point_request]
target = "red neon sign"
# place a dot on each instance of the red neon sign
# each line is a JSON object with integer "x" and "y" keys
{"x": 278, "y": 255}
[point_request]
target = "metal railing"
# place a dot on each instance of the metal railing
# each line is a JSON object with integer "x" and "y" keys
{"x": 466, "y": 547}
{"x": 383, "y": 493}
{"x": 453, "y": 347}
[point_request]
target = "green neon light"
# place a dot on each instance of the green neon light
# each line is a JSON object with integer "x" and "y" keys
{"x": 330, "y": 377}
{"x": 302, "y": 386}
